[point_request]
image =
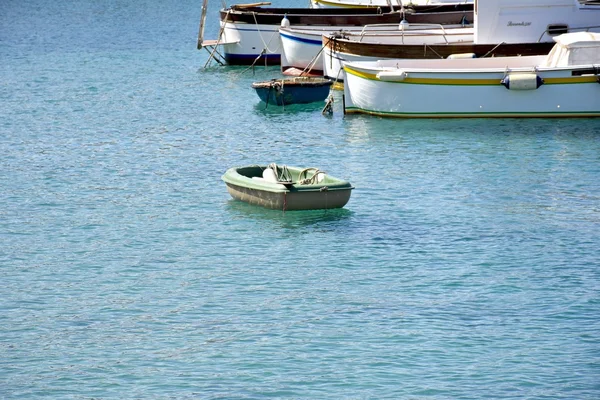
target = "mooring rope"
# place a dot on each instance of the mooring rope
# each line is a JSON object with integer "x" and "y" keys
{"x": 312, "y": 62}
{"x": 492, "y": 50}
{"x": 253, "y": 62}
{"x": 313, "y": 179}
{"x": 425, "y": 50}
{"x": 218, "y": 41}
{"x": 261, "y": 37}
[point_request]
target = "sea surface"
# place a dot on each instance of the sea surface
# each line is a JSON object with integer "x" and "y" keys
{"x": 465, "y": 266}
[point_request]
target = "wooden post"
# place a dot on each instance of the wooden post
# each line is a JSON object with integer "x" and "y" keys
{"x": 202, "y": 21}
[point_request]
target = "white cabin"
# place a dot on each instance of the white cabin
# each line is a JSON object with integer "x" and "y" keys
{"x": 581, "y": 48}
{"x": 526, "y": 21}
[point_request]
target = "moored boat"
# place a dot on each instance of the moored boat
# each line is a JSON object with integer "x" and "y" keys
{"x": 287, "y": 188}
{"x": 302, "y": 48}
{"x": 250, "y": 34}
{"x": 345, "y": 48}
{"x": 297, "y": 90}
{"x": 565, "y": 83}
{"x": 501, "y": 28}
{"x": 379, "y": 3}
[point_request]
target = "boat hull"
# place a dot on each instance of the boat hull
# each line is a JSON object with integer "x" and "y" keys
{"x": 251, "y": 34}
{"x": 300, "y": 90}
{"x": 302, "y": 49}
{"x": 244, "y": 184}
{"x": 423, "y": 92}
{"x": 290, "y": 201}
{"x": 338, "y": 51}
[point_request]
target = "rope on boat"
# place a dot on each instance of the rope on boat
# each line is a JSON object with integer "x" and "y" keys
{"x": 254, "y": 62}
{"x": 277, "y": 85}
{"x": 260, "y": 35}
{"x": 328, "y": 109}
{"x": 312, "y": 62}
{"x": 329, "y": 102}
{"x": 263, "y": 51}
{"x": 313, "y": 179}
{"x": 282, "y": 173}
{"x": 281, "y": 94}
{"x": 212, "y": 54}
{"x": 334, "y": 47}
{"x": 492, "y": 50}
{"x": 425, "y": 51}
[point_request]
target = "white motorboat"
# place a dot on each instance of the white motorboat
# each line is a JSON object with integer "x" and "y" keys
{"x": 565, "y": 83}
{"x": 501, "y": 28}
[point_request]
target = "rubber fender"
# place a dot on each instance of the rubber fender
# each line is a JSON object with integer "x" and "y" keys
{"x": 522, "y": 81}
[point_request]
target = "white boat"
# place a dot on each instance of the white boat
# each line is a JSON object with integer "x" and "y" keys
{"x": 565, "y": 83}
{"x": 379, "y": 3}
{"x": 501, "y": 28}
{"x": 249, "y": 34}
{"x": 302, "y": 48}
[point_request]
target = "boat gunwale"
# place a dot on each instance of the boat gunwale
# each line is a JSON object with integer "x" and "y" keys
{"x": 370, "y": 70}
{"x": 295, "y": 81}
{"x": 234, "y": 177}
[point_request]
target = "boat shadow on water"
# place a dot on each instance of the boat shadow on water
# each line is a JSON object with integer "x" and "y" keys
{"x": 287, "y": 219}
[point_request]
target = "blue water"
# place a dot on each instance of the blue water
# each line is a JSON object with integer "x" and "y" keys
{"x": 465, "y": 266}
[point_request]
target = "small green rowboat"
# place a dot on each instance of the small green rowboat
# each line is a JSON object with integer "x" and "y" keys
{"x": 287, "y": 188}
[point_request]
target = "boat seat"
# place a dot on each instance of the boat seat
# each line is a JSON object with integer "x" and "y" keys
{"x": 269, "y": 175}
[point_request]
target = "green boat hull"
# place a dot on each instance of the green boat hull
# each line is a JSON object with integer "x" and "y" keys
{"x": 246, "y": 184}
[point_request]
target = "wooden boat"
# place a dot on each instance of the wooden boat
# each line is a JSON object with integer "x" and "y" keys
{"x": 501, "y": 28}
{"x": 565, "y": 83}
{"x": 287, "y": 188}
{"x": 378, "y": 3}
{"x": 346, "y": 48}
{"x": 250, "y": 34}
{"x": 302, "y": 48}
{"x": 298, "y": 90}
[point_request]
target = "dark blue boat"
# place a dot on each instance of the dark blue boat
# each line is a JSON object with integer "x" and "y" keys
{"x": 297, "y": 90}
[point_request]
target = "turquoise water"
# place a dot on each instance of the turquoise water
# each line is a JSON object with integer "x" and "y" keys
{"x": 465, "y": 266}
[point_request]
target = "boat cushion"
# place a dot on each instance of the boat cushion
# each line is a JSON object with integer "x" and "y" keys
{"x": 269, "y": 175}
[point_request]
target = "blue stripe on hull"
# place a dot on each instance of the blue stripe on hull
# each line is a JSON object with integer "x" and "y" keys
{"x": 302, "y": 40}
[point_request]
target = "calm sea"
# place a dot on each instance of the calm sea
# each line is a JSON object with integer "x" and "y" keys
{"x": 465, "y": 266}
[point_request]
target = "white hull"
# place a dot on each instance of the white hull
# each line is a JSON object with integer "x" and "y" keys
{"x": 244, "y": 43}
{"x": 471, "y": 88}
{"x": 333, "y": 63}
{"x": 500, "y": 21}
{"x": 304, "y": 47}
{"x": 495, "y": 21}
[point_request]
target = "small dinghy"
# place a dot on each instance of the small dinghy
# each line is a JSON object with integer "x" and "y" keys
{"x": 287, "y": 188}
{"x": 297, "y": 90}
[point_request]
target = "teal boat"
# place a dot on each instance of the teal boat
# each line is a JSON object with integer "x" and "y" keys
{"x": 297, "y": 90}
{"x": 287, "y": 188}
